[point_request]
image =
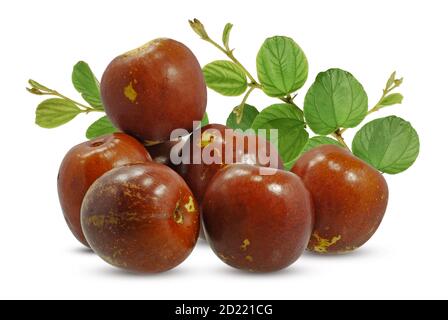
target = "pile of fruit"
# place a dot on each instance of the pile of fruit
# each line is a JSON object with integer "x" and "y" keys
{"x": 140, "y": 199}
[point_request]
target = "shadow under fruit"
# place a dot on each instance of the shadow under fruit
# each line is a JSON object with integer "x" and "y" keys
{"x": 350, "y": 198}
{"x": 161, "y": 152}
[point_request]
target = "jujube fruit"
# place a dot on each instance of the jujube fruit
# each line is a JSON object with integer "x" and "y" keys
{"x": 141, "y": 218}
{"x": 85, "y": 163}
{"x": 150, "y": 91}
{"x": 350, "y": 198}
{"x": 257, "y": 222}
{"x": 212, "y": 138}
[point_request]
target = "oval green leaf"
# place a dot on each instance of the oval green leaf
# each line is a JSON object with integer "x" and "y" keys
{"x": 282, "y": 66}
{"x": 225, "y": 77}
{"x": 87, "y": 84}
{"x": 292, "y": 135}
{"x": 100, "y": 127}
{"x": 226, "y": 35}
{"x": 318, "y": 141}
{"x": 389, "y": 144}
{"x": 335, "y": 100}
{"x": 249, "y": 115}
{"x": 55, "y": 112}
{"x": 390, "y": 100}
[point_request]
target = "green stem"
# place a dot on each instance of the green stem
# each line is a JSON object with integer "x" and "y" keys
{"x": 92, "y": 110}
{"x": 338, "y": 135}
{"x": 253, "y": 82}
{"x": 290, "y": 100}
{"x": 85, "y": 108}
{"x": 377, "y": 105}
{"x": 239, "y": 110}
{"x": 229, "y": 54}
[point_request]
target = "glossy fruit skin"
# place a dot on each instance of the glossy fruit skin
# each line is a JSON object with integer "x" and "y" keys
{"x": 350, "y": 198}
{"x": 85, "y": 163}
{"x": 199, "y": 175}
{"x": 141, "y": 218}
{"x": 258, "y": 223}
{"x": 152, "y": 90}
{"x": 161, "y": 153}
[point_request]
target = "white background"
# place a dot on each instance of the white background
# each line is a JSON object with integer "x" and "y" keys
{"x": 39, "y": 258}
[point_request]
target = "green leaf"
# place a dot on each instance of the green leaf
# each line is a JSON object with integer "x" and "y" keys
{"x": 225, "y": 77}
{"x": 87, "y": 84}
{"x": 390, "y": 81}
{"x": 204, "y": 120}
{"x": 389, "y": 144}
{"x": 335, "y": 100}
{"x": 282, "y": 66}
{"x": 292, "y": 135}
{"x": 36, "y": 85}
{"x": 226, "y": 35}
{"x": 249, "y": 114}
{"x": 100, "y": 127}
{"x": 318, "y": 141}
{"x": 55, "y": 112}
{"x": 394, "y": 98}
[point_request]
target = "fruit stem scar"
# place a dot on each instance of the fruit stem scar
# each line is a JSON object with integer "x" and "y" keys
{"x": 190, "y": 205}
{"x": 130, "y": 92}
{"x": 245, "y": 245}
{"x": 323, "y": 244}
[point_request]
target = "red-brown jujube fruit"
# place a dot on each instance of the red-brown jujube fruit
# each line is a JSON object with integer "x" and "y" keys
{"x": 141, "y": 218}
{"x": 255, "y": 222}
{"x": 350, "y": 198}
{"x": 212, "y": 138}
{"x": 85, "y": 163}
{"x": 150, "y": 91}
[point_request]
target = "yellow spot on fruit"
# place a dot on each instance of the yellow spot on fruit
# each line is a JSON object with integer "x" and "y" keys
{"x": 206, "y": 139}
{"x": 323, "y": 244}
{"x": 245, "y": 245}
{"x": 249, "y": 258}
{"x": 190, "y": 205}
{"x": 130, "y": 92}
{"x": 178, "y": 216}
{"x": 97, "y": 221}
{"x": 101, "y": 220}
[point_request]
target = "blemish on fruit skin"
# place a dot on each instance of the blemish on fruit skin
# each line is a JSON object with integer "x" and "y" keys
{"x": 100, "y": 220}
{"x": 130, "y": 92}
{"x": 206, "y": 139}
{"x": 178, "y": 217}
{"x": 323, "y": 244}
{"x": 190, "y": 205}
{"x": 223, "y": 257}
{"x": 249, "y": 258}
{"x": 245, "y": 245}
